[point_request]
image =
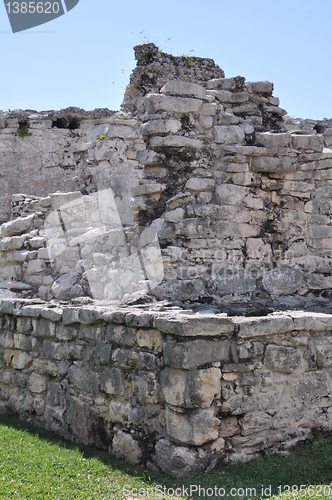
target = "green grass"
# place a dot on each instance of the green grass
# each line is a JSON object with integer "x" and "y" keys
{"x": 37, "y": 465}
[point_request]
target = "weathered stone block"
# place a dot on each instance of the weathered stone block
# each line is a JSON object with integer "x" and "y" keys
{"x": 84, "y": 379}
{"x": 228, "y": 427}
{"x": 312, "y": 142}
{"x": 191, "y": 326}
{"x": 179, "y": 461}
{"x": 230, "y": 134}
{"x": 257, "y": 249}
{"x": 283, "y": 281}
{"x": 63, "y": 332}
{"x": 256, "y": 422}
{"x": 239, "y": 285}
{"x": 52, "y": 350}
{"x": 140, "y": 319}
{"x": 227, "y": 97}
{"x": 319, "y": 282}
{"x": 120, "y": 334}
{"x": 269, "y": 140}
{"x": 230, "y": 194}
{"x": 241, "y": 230}
{"x": 282, "y": 359}
{"x": 112, "y": 381}
{"x": 176, "y": 87}
{"x": 156, "y": 127}
{"x": 91, "y": 332}
{"x": 17, "y": 359}
{"x": 194, "y": 428}
{"x": 195, "y": 389}
{"x": 37, "y": 383}
{"x": 43, "y": 328}
{"x": 126, "y": 447}
{"x": 46, "y": 367}
{"x": 102, "y": 353}
{"x": 263, "y": 87}
{"x": 263, "y": 327}
{"x": 155, "y": 102}
{"x": 200, "y": 184}
{"x": 311, "y": 321}
{"x": 53, "y": 314}
{"x": 216, "y": 212}
{"x": 24, "y": 342}
{"x": 147, "y": 362}
{"x": 147, "y": 390}
{"x": 120, "y": 412}
{"x": 175, "y": 141}
{"x": 125, "y": 358}
{"x": 17, "y": 226}
{"x": 323, "y": 352}
{"x": 175, "y": 215}
{"x": 221, "y": 83}
{"x": 195, "y": 353}
{"x": 62, "y": 286}
{"x": 34, "y": 311}
{"x": 6, "y": 339}
{"x": 151, "y": 339}
{"x": 179, "y": 200}
{"x": 319, "y": 231}
{"x": 311, "y": 388}
{"x": 209, "y": 109}
{"x": 77, "y": 418}
{"x": 273, "y": 164}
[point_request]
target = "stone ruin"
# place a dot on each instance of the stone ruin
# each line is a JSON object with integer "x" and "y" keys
{"x": 165, "y": 278}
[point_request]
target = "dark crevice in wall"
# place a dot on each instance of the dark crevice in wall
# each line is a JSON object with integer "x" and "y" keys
{"x": 71, "y": 123}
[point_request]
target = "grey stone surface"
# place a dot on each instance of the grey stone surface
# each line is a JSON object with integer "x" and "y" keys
{"x": 190, "y": 326}
{"x": 155, "y": 102}
{"x": 195, "y": 428}
{"x": 61, "y": 287}
{"x": 124, "y": 446}
{"x": 195, "y": 353}
{"x": 176, "y": 87}
{"x": 112, "y": 381}
{"x": 196, "y": 389}
{"x": 224, "y": 134}
{"x": 180, "y": 461}
{"x": 236, "y": 197}
{"x": 270, "y": 164}
{"x": 283, "y": 359}
{"x": 283, "y": 281}
{"x": 43, "y": 328}
{"x": 265, "y": 326}
{"x": 84, "y": 379}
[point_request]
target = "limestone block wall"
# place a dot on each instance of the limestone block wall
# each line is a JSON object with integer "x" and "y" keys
{"x": 177, "y": 391}
{"x": 241, "y": 198}
{"x": 41, "y": 153}
{"x": 72, "y": 245}
{"x": 237, "y": 192}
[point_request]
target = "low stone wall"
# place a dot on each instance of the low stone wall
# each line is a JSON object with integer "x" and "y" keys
{"x": 173, "y": 390}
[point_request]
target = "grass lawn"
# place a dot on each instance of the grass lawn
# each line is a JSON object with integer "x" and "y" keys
{"x": 37, "y": 465}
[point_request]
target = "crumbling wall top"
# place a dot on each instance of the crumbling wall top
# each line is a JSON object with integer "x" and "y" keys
{"x": 155, "y": 68}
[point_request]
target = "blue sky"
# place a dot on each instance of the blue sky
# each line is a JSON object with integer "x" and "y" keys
{"x": 85, "y": 57}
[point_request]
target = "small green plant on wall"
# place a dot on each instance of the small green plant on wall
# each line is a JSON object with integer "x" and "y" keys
{"x": 100, "y": 136}
{"x": 24, "y": 132}
{"x": 189, "y": 58}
